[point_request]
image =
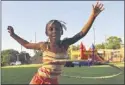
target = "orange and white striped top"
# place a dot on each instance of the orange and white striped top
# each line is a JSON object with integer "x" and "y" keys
{"x": 51, "y": 67}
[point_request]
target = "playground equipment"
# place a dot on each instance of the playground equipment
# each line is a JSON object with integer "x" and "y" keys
{"x": 97, "y": 55}
{"x": 88, "y": 56}
{"x": 82, "y": 52}
{"x": 111, "y": 55}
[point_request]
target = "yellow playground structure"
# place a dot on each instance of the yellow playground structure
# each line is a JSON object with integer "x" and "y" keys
{"x": 101, "y": 55}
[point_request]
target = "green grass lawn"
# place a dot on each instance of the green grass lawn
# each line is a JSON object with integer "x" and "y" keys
{"x": 23, "y": 74}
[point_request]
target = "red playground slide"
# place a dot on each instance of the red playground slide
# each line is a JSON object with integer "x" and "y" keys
{"x": 97, "y": 58}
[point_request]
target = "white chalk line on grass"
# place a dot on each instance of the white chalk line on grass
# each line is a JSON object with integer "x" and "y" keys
{"x": 100, "y": 77}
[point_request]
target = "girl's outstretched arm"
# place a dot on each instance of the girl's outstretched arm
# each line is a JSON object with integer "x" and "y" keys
{"x": 23, "y": 42}
{"x": 96, "y": 9}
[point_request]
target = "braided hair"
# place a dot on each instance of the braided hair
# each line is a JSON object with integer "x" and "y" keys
{"x": 61, "y": 23}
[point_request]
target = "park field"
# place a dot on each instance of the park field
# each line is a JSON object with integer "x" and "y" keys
{"x": 22, "y": 74}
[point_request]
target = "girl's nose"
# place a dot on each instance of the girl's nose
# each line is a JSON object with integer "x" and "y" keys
{"x": 54, "y": 30}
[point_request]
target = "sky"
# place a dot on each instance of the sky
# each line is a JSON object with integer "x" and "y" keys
{"x": 30, "y": 17}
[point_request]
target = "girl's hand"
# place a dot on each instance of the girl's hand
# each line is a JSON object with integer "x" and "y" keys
{"x": 97, "y": 8}
{"x": 10, "y": 30}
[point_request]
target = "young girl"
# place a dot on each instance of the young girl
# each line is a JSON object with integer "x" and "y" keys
{"x": 55, "y": 49}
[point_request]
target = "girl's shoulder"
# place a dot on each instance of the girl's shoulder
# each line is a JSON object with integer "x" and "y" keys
{"x": 43, "y": 45}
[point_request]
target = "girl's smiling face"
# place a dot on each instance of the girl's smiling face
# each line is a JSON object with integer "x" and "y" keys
{"x": 54, "y": 31}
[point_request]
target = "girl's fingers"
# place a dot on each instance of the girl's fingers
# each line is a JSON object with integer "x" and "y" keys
{"x": 102, "y": 9}
{"x": 101, "y": 6}
{"x": 96, "y": 4}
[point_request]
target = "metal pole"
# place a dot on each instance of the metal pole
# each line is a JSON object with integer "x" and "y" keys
{"x": 93, "y": 46}
{"x": 105, "y": 48}
{"x": 35, "y": 42}
{"x": 94, "y": 34}
{"x": 35, "y": 37}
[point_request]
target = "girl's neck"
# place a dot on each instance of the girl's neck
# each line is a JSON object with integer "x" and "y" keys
{"x": 54, "y": 43}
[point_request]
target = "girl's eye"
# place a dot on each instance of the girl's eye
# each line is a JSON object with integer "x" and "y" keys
{"x": 56, "y": 29}
{"x": 51, "y": 29}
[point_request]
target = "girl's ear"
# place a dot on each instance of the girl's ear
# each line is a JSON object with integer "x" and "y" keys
{"x": 46, "y": 33}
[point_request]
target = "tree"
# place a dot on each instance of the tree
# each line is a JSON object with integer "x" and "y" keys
{"x": 24, "y": 57}
{"x": 8, "y": 56}
{"x": 113, "y": 42}
{"x": 100, "y": 46}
